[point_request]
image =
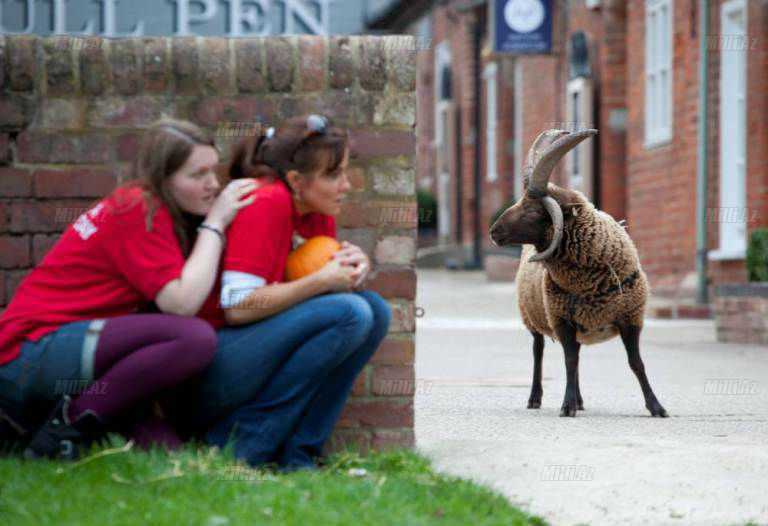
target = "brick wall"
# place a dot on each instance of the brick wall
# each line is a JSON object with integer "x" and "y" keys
{"x": 544, "y": 80}
{"x": 455, "y": 26}
{"x": 544, "y": 86}
{"x": 504, "y": 143}
{"x": 741, "y": 312}
{"x": 662, "y": 180}
{"x": 757, "y": 134}
{"x": 72, "y": 111}
{"x": 606, "y": 34}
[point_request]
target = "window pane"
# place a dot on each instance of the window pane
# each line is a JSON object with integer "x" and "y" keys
{"x": 652, "y": 104}
{"x": 648, "y": 42}
{"x": 576, "y": 120}
{"x": 490, "y": 83}
{"x": 663, "y": 34}
{"x": 664, "y": 100}
{"x": 653, "y": 43}
{"x": 659, "y": 55}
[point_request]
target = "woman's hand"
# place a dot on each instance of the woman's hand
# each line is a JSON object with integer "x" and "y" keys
{"x": 229, "y": 201}
{"x": 337, "y": 277}
{"x": 353, "y": 256}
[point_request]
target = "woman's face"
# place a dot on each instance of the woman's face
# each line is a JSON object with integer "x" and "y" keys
{"x": 323, "y": 193}
{"x": 195, "y": 185}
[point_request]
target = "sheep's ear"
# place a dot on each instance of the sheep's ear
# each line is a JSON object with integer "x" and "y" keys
{"x": 571, "y": 209}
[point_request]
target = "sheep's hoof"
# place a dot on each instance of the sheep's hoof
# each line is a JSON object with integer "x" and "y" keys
{"x": 569, "y": 408}
{"x": 657, "y": 410}
{"x": 534, "y": 404}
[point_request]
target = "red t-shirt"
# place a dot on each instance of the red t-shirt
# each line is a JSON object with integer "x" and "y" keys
{"x": 260, "y": 237}
{"x": 105, "y": 264}
{"x": 211, "y": 310}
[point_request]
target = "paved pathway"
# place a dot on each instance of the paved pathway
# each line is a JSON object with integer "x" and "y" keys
{"x": 613, "y": 464}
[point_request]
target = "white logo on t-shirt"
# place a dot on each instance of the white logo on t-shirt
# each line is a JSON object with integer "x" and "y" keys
{"x": 84, "y": 226}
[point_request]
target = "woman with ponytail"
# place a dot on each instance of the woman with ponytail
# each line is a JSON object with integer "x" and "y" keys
{"x": 72, "y": 336}
{"x": 287, "y": 361}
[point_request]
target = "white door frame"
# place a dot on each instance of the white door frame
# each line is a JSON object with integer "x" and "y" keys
{"x": 490, "y": 76}
{"x": 731, "y": 216}
{"x": 444, "y": 136}
{"x": 579, "y": 162}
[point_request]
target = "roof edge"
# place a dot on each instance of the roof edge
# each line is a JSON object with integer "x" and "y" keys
{"x": 400, "y": 14}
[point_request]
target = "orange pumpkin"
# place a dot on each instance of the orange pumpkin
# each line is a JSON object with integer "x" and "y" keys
{"x": 310, "y": 257}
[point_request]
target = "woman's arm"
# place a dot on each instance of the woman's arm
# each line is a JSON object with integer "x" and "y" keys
{"x": 185, "y": 295}
{"x": 271, "y": 299}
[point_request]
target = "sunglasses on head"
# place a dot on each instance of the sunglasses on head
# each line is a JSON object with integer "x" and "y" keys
{"x": 317, "y": 124}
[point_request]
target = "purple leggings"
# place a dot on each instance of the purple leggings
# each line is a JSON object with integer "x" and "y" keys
{"x": 140, "y": 355}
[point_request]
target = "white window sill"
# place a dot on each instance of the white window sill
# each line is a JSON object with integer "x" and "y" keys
{"x": 657, "y": 143}
{"x": 726, "y": 255}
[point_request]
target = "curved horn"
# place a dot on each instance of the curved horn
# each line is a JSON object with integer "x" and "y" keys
{"x": 543, "y": 141}
{"x": 557, "y": 223}
{"x": 543, "y": 169}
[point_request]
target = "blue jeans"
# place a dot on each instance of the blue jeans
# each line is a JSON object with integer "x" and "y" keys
{"x": 45, "y": 370}
{"x": 276, "y": 388}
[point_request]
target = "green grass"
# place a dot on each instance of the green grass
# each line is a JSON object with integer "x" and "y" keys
{"x": 201, "y": 486}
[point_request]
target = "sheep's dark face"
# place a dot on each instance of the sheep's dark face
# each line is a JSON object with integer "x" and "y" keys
{"x": 524, "y": 223}
{"x": 529, "y": 220}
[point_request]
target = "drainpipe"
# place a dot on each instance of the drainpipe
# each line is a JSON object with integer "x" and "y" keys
{"x": 477, "y": 261}
{"x": 458, "y": 166}
{"x": 701, "y": 172}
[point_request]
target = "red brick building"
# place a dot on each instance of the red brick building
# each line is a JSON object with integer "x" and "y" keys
{"x": 631, "y": 69}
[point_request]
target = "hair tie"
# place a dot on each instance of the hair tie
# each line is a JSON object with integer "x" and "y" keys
{"x": 178, "y": 133}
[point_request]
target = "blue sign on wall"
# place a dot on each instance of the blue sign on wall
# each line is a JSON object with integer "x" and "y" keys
{"x": 522, "y": 26}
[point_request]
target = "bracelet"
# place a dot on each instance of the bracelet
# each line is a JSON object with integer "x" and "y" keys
{"x": 218, "y": 232}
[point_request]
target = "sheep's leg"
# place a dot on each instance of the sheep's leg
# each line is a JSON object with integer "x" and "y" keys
{"x": 534, "y": 402}
{"x": 630, "y": 335}
{"x": 567, "y": 336}
{"x": 580, "y": 401}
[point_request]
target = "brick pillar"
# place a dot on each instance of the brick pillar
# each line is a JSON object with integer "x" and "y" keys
{"x": 613, "y": 110}
{"x": 72, "y": 112}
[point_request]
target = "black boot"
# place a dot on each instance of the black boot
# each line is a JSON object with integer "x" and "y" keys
{"x": 58, "y": 438}
{"x": 12, "y": 433}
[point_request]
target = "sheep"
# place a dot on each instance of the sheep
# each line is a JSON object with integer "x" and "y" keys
{"x": 579, "y": 280}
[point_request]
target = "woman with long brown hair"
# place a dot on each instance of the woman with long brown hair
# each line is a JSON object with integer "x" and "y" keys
{"x": 72, "y": 335}
{"x": 287, "y": 362}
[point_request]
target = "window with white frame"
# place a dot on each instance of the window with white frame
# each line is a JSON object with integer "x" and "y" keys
{"x": 444, "y": 141}
{"x": 579, "y": 161}
{"x": 424, "y": 33}
{"x": 491, "y": 124}
{"x": 443, "y": 83}
{"x": 658, "y": 71}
